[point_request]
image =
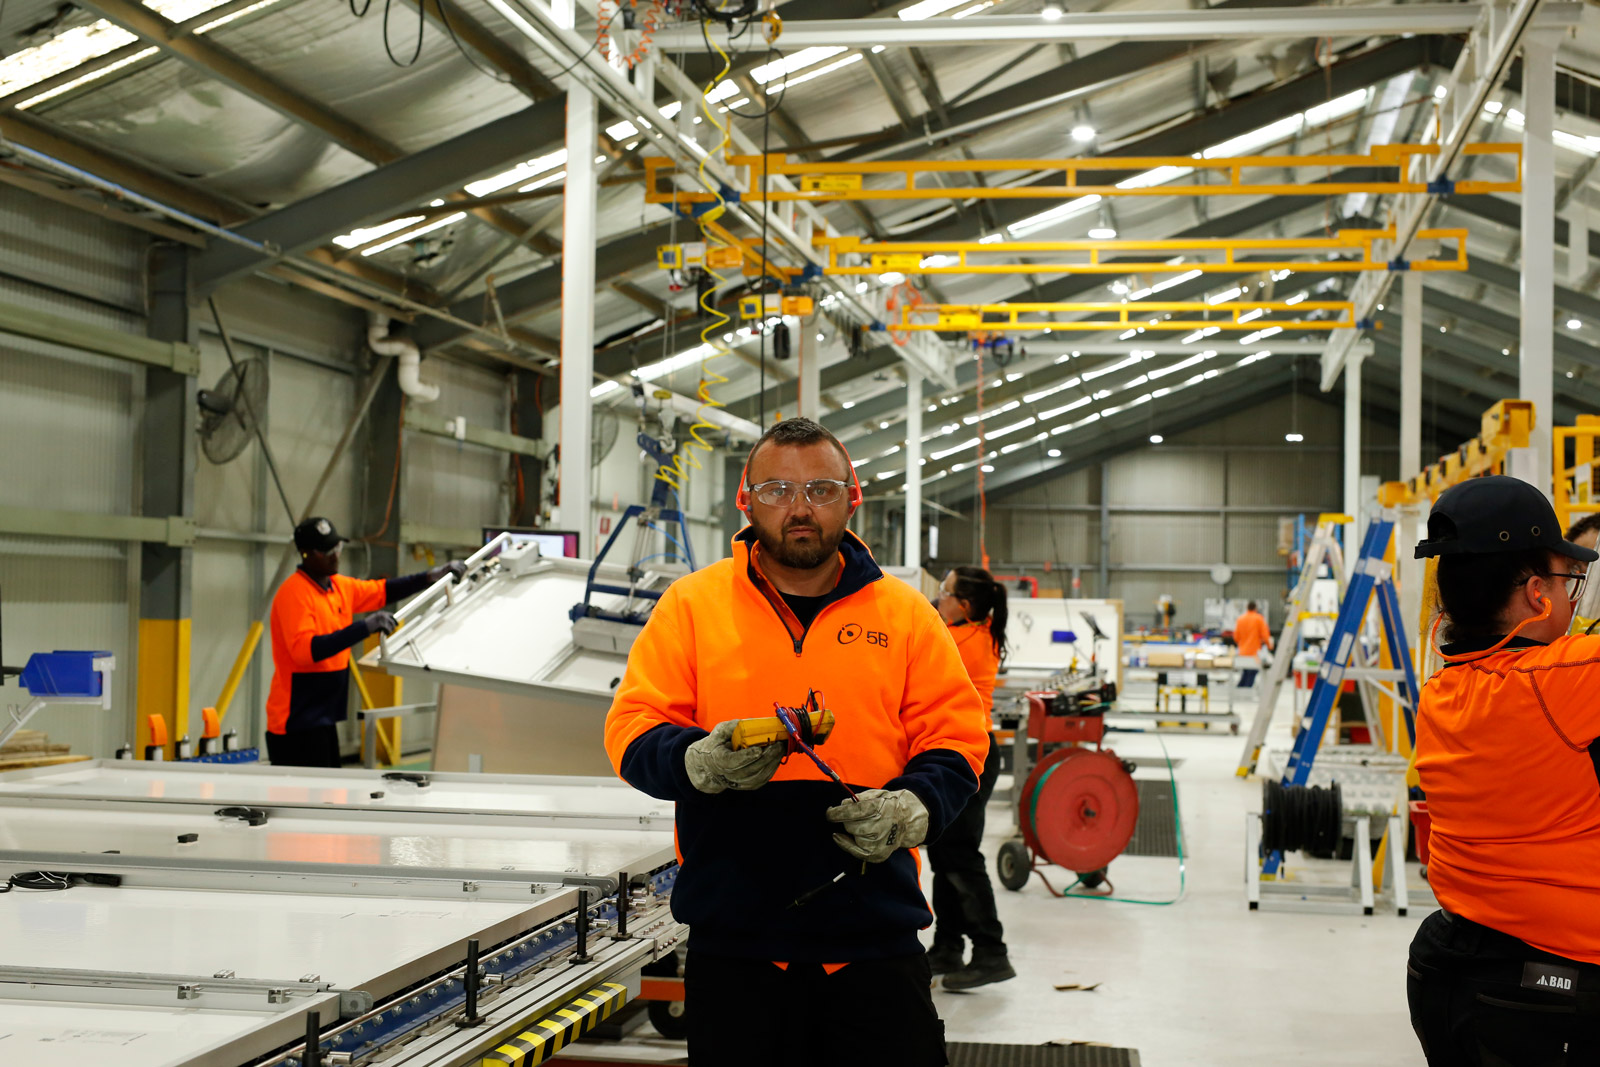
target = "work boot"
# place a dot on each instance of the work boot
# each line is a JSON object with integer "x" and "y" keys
{"x": 981, "y": 971}
{"x": 942, "y": 959}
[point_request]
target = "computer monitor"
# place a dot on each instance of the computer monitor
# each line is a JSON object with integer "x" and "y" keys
{"x": 550, "y": 542}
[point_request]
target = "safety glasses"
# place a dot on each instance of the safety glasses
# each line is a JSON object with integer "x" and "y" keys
{"x": 1574, "y": 582}
{"x": 819, "y": 492}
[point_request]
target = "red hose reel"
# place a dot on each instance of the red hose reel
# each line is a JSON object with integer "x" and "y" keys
{"x": 1078, "y": 807}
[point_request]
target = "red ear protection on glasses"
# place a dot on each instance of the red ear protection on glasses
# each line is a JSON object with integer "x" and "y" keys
{"x": 742, "y": 499}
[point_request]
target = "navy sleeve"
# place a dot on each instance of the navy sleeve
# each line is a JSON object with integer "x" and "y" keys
{"x": 653, "y": 762}
{"x": 325, "y": 645}
{"x": 406, "y": 585}
{"x": 943, "y": 781}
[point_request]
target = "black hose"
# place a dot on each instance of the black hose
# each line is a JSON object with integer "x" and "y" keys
{"x": 1301, "y": 818}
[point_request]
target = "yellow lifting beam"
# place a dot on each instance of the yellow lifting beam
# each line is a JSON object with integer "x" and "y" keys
{"x": 1506, "y": 426}
{"x": 979, "y": 317}
{"x": 973, "y": 257}
{"x": 847, "y": 181}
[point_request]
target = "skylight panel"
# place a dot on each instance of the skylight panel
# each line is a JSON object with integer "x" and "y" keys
{"x": 927, "y": 9}
{"x": 854, "y": 57}
{"x": 357, "y": 238}
{"x": 798, "y": 61}
{"x": 437, "y": 224}
{"x": 522, "y": 172}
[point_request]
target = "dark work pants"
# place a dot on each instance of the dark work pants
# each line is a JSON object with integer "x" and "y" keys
{"x": 963, "y": 896}
{"x": 1480, "y": 998}
{"x": 1247, "y": 679}
{"x": 316, "y": 747}
{"x": 750, "y": 1013}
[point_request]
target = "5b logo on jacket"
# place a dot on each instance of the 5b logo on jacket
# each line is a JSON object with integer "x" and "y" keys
{"x": 850, "y": 632}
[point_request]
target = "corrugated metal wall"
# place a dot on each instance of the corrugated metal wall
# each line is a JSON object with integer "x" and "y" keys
{"x": 67, "y": 423}
{"x": 451, "y": 483}
{"x": 1214, "y": 494}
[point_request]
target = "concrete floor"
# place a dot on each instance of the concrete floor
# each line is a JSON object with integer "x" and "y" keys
{"x": 1205, "y": 980}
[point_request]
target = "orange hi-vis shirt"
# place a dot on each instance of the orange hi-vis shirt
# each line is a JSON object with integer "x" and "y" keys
{"x": 1250, "y": 633}
{"x": 722, "y": 644}
{"x": 975, "y": 642}
{"x": 309, "y": 692}
{"x": 1507, "y": 754}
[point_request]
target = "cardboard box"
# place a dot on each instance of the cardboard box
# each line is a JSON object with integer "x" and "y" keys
{"x": 1164, "y": 660}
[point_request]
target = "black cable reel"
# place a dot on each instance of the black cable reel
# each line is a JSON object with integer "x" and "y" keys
{"x": 1301, "y": 818}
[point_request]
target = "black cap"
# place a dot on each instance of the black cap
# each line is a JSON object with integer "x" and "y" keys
{"x": 1497, "y": 513}
{"x": 317, "y": 534}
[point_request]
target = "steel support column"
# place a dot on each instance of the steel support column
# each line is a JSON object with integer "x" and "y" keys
{"x": 1535, "y": 358}
{"x": 810, "y": 403}
{"x": 385, "y": 482}
{"x": 1410, "y": 568}
{"x": 1352, "y": 449}
{"x": 167, "y": 460}
{"x": 577, "y": 311}
{"x": 1105, "y": 530}
{"x": 528, "y": 471}
{"x": 913, "y": 449}
{"x": 1410, "y": 376}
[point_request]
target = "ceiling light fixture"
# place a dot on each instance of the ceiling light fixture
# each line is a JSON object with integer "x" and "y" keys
{"x": 1083, "y": 134}
{"x": 1103, "y": 233}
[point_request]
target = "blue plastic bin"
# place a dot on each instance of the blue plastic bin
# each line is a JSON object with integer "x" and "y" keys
{"x": 63, "y": 674}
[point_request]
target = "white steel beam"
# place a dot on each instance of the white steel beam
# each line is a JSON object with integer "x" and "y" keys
{"x": 620, "y": 95}
{"x": 1410, "y": 376}
{"x": 1481, "y": 67}
{"x": 1352, "y": 450}
{"x": 810, "y": 350}
{"x": 1535, "y": 355}
{"x": 578, "y": 229}
{"x": 912, "y": 556}
{"x": 1165, "y": 25}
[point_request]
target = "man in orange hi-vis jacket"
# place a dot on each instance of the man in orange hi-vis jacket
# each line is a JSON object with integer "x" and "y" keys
{"x": 313, "y": 630}
{"x": 798, "y": 897}
{"x": 1250, "y": 633}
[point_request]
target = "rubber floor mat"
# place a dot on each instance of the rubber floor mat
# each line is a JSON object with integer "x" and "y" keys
{"x": 1157, "y": 831}
{"x": 974, "y": 1054}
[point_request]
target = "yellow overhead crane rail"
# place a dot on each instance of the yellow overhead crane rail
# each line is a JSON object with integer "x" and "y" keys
{"x": 977, "y": 317}
{"x": 1099, "y": 257}
{"x": 848, "y": 181}
{"x": 971, "y": 257}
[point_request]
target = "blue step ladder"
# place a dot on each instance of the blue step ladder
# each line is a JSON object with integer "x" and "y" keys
{"x": 1370, "y": 576}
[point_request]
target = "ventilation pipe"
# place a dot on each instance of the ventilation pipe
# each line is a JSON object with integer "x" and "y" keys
{"x": 410, "y": 370}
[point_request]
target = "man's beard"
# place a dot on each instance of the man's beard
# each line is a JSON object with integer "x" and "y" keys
{"x": 801, "y": 556}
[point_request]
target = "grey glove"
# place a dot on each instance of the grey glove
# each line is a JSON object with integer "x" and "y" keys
{"x": 713, "y": 765}
{"x": 879, "y": 821}
{"x": 381, "y": 622}
{"x": 455, "y": 569}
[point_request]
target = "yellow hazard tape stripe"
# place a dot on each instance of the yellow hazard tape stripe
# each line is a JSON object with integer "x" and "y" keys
{"x": 560, "y": 1028}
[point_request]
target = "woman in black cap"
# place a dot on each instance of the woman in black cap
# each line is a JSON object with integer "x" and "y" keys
{"x": 1508, "y": 972}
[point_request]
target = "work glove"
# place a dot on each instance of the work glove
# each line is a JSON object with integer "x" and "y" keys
{"x": 381, "y": 622}
{"x": 714, "y": 765}
{"x": 455, "y": 569}
{"x": 879, "y": 821}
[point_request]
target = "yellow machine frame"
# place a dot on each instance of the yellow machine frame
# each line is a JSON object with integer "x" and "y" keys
{"x": 907, "y": 256}
{"x": 846, "y": 181}
{"x": 977, "y": 316}
{"x": 1575, "y": 485}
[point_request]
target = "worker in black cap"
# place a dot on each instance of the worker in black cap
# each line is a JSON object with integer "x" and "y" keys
{"x": 1508, "y": 972}
{"x": 313, "y": 629}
